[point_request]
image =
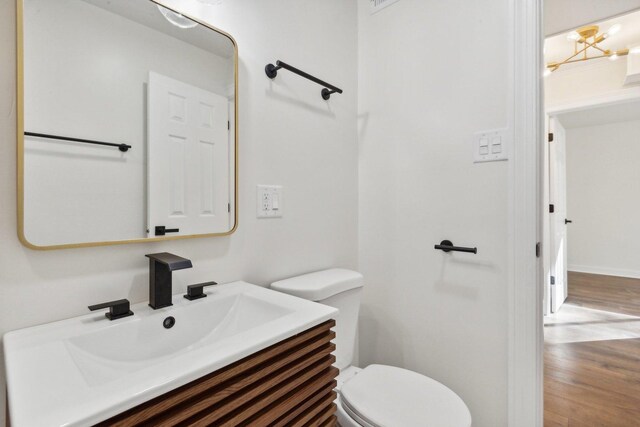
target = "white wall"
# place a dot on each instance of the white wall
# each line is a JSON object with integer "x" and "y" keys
{"x": 587, "y": 83}
{"x": 425, "y": 88}
{"x": 603, "y": 198}
{"x": 66, "y": 200}
{"x": 563, "y": 15}
{"x": 288, "y": 136}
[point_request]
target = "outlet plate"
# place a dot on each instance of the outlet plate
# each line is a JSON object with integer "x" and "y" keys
{"x": 269, "y": 201}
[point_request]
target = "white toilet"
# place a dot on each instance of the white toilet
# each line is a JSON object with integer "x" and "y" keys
{"x": 378, "y": 395}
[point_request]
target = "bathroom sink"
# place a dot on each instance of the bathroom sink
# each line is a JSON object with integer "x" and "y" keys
{"x": 83, "y": 370}
{"x": 145, "y": 339}
{"x": 109, "y": 353}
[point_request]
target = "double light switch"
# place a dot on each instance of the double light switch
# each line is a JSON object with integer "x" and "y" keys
{"x": 490, "y": 146}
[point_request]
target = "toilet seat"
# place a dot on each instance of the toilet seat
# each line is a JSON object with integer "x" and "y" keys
{"x": 387, "y": 396}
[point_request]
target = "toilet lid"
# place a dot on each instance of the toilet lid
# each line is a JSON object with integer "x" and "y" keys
{"x": 386, "y": 396}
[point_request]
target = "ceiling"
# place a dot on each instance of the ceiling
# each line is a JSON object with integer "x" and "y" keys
{"x": 558, "y": 48}
{"x": 563, "y": 15}
{"x": 147, "y": 14}
{"x": 601, "y": 115}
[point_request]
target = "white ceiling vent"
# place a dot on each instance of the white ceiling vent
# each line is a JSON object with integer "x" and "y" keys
{"x": 378, "y": 5}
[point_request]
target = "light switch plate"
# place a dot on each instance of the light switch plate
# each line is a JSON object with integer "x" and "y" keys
{"x": 269, "y": 201}
{"x": 491, "y": 146}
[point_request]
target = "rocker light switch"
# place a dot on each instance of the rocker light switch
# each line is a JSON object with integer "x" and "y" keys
{"x": 490, "y": 146}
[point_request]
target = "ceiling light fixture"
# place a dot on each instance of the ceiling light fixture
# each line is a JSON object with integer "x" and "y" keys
{"x": 573, "y": 36}
{"x": 613, "y": 30}
{"x": 177, "y": 19}
{"x": 586, "y": 40}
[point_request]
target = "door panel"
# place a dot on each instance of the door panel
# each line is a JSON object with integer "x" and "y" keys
{"x": 558, "y": 228}
{"x": 546, "y": 226}
{"x": 187, "y": 126}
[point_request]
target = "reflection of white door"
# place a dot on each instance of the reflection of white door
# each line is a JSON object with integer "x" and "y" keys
{"x": 188, "y": 155}
{"x": 558, "y": 228}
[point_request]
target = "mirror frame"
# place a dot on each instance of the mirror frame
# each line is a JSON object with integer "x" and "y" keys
{"x": 20, "y": 142}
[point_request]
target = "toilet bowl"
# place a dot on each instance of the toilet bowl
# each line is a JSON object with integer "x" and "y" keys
{"x": 378, "y": 395}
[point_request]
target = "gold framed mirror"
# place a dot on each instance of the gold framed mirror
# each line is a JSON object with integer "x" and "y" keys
{"x": 127, "y": 124}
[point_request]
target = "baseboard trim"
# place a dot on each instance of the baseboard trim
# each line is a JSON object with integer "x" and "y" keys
{"x": 633, "y": 274}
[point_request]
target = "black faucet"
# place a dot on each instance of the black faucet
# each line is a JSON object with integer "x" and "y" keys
{"x": 160, "y": 267}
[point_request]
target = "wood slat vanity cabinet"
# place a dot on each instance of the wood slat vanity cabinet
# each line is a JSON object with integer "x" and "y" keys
{"x": 290, "y": 383}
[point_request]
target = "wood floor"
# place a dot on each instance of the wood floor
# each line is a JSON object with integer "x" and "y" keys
{"x": 592, "y": 354}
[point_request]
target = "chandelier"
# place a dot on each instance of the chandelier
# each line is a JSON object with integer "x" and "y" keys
{"x": 586, "y": 46}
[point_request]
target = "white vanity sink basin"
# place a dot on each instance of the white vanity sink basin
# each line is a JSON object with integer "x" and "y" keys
{"x": 144, "y": 339}
{"x": 84, "y": 370}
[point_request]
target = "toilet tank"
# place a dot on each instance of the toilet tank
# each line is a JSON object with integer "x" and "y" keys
{"x": 339, "y": 288}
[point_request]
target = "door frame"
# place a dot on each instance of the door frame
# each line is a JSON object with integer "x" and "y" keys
{"x": 526, "y": 210}
{"x": 525, "y": 290}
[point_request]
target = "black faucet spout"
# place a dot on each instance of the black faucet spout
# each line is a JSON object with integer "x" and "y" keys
{"x": 160, "y": 279}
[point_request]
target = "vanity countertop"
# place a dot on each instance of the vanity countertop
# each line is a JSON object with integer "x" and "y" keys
{"x": 84, "y": 370}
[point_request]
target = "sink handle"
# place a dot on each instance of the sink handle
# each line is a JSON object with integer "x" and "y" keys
{"x": 196, "y": 291}
{"x": 117, "y": 309}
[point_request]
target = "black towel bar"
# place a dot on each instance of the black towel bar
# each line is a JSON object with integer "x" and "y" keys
{"x": 122, "y": 147}
{"x": 272, "y": 71}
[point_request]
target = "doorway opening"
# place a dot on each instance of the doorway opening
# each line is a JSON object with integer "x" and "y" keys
{"x": 591, "y": 251}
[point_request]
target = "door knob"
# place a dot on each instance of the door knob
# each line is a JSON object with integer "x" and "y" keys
{"x": 567, "y": 221}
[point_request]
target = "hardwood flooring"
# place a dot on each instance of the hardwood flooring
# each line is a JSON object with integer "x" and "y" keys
{"x": 608, "y": 293}
{"x": 592, "y": 355}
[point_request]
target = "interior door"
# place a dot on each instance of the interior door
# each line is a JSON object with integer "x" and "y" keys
{"x": 188, "y": 153}
{"x": 546, "y": 217}
{"x": 558, "y": 226}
